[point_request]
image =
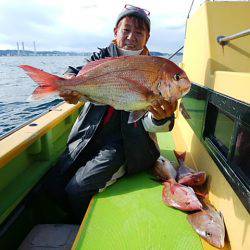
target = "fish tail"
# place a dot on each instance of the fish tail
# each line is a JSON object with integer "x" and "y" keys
{"x": 180, "y": 156}
{"x": 48, "y": 83}
{"x": 202, "y": 195}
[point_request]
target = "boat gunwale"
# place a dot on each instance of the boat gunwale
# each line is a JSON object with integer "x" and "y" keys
{"x": 16, "y": 142}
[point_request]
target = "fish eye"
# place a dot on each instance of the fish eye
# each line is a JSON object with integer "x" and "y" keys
{"x": 208, "y": 234}
{"x": 177, "y": 77}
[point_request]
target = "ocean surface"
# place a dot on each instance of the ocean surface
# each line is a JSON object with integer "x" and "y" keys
{"x": 16, "y": 87}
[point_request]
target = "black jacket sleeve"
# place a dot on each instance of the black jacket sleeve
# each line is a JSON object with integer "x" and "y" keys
{"x": 102, "y": 53}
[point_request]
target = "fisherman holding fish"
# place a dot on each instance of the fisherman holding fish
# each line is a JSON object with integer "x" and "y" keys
{"x": 107, "y": 141}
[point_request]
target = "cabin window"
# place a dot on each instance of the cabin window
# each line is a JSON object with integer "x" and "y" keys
{"x": 223, "y": 133}
{"x": 219, "y": 128}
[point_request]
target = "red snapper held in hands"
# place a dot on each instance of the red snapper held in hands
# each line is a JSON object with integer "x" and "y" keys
{"x": 130, "y": 83}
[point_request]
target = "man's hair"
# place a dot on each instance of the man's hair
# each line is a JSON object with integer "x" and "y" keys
{"x": 140, "y": 22}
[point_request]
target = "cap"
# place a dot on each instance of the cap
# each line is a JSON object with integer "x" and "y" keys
{"x": 130, "y": 10}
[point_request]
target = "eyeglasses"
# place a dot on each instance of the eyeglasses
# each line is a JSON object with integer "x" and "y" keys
{"x": 131, "y": 7}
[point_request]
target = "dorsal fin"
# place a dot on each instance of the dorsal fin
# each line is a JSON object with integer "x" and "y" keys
{"x": 93, "y": 64}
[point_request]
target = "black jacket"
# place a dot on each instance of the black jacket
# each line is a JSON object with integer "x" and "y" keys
{"x": 139, "y": 149}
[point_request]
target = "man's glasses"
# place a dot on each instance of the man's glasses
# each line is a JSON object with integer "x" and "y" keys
{"x": 131, "y": 7}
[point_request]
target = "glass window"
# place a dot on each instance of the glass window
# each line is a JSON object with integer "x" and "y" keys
{"x": 223, "y": 132}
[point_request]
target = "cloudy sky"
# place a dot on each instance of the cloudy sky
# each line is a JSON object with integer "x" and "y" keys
{"x": 84, "y": 25}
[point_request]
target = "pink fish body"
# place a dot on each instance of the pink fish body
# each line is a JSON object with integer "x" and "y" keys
{"x": 180, "y": 197}
{"x": 187, "y": 176}
{"x": 164, "y": 169}
{"x": 209, "y": 224}
{"x": 195, "y": 179}
{"x": 128, "y": 83}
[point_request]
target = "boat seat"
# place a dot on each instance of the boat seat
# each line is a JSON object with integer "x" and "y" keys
{"x": 50, "y": 236}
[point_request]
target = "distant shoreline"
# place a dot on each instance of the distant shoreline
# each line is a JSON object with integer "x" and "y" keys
{"x": 61, "y": 53}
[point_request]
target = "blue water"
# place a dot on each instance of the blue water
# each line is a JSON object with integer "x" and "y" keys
{"x": 16, "y": 87}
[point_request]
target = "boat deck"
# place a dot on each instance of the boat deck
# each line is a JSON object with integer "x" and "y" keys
{"x": 131, "y": 215}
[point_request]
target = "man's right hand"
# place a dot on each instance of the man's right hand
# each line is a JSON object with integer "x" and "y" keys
{"x": 69, "y": 96}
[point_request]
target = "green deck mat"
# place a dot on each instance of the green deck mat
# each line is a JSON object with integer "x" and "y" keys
{"x": 166, "y": 142}
{"x": 130, "y": 214}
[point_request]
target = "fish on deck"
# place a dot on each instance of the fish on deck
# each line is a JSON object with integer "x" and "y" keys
{"x": 180, "y": 197}
{"x": 130, "y": 83}
{"x": 187, "y": 176}
{"x": 209, "y": 224}
{"x": 164, "y": 169}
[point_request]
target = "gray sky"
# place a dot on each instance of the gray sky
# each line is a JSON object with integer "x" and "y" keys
{"x": 84, "y": 25}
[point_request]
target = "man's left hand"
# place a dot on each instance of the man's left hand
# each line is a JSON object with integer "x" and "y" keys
{"x": 162, "y": 110}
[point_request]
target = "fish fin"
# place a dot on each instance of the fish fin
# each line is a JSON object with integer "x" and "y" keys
{"x": 180, "y": 156}
{"x": 48, "y": 83}
{"x": 172, "y": 181}
{"x": 93, "y": 64}
{"x": 40, "y": 93}
{"x": 165, "y": 197}
{"x": 139, "y": 88}
{"x": 173, "y": 186}
{"x": 136, "y": 115}
{"x": 202, "y": 195}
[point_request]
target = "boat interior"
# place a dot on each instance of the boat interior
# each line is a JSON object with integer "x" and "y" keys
{"x": 212, "y": 125}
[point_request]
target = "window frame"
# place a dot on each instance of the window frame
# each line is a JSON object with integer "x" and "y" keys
{"x": 235, "y": 110}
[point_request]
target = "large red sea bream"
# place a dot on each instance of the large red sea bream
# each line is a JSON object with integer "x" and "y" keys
{"x": 130, "y": 83}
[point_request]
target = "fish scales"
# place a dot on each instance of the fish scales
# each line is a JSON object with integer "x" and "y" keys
{"x": 115, "y": 94}
{"x": 180, "y": 197}
{"x": 146, "y": 69}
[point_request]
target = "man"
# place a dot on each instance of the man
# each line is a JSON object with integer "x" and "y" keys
{"x": 102, "y": 146}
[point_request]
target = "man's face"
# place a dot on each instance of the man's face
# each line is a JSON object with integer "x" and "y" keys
{"x": 129, "y": 35}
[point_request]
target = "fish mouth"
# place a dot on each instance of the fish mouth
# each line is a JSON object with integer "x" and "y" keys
{"x": 185, "y": 91}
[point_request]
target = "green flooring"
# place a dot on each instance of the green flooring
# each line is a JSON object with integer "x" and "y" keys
{"x": 130, "y": 214}
{"x": 166, "y": 142}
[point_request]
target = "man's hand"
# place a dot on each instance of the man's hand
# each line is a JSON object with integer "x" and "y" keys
{"x": 69, "y": 96}
{"x": 162, "y": 110}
